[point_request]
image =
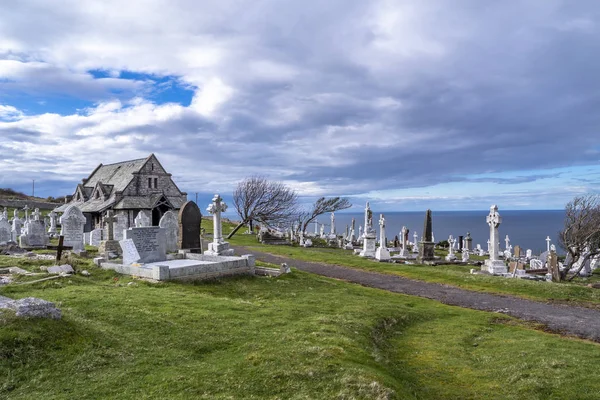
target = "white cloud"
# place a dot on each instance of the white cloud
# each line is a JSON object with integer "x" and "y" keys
{"x": 9, "y": 113}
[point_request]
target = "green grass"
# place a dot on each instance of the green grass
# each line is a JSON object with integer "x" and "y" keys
{"x": 298, "y": 336}
{"x": 456, "y": 275}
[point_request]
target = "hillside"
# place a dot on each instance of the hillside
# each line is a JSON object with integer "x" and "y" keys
{"x": 12, "y": 199}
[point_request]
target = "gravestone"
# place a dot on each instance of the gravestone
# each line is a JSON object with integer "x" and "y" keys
{"x": 72, "y": 222}
{"x": 494, "y": 265}
{"x": 142, "y": 220}
{"x": 517, "y": 251}
{"x": 34, "y": 235}
{"x": 218, "y": 247}
{"x": 52, "y": 230}
{"x": 382, "y": 253}
{"x": 150, "y": 243}
{"x": 369, "y": 235}
{"x": 190, "y": 219}
{"x": 465, "y": 255}
{"x": 96, "y": 236}
{"x": 120, "y": 225}
{"x": 528, "y": 253}
{"x": 403, "y": 242}
{"x": 553, "y": 266}
{"x": 16, "y": 226}
{"x": 5, "y": 231}
{"x": 109, "y": 247}
{"x": 169, "y": 223}
{"x": 130, "y": 253}
{"x": 426, "y": 246}
{"x": 469, "y": 242}
{"x": 451, "y": 242}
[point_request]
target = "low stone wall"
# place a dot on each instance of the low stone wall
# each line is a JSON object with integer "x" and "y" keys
{"x": 30, "y": 203}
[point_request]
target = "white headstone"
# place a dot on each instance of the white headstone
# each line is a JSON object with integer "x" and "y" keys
{"x": 171, "y": 225}
{"x": 130, "y": 253}
{"x": 218, "y": 247}
{"x": 465, "y": 255}
{"x": 382, "y": 252}
{"x": 528, "y": 253}
{"x": 72, "y": 222}
{"x": 548, "y": 240}
{"x": 52, "y": 229}
{"x": 142, "y": 220}
{"x": 332, "y": 232}
{"x": 451, "y": 242}
{"x": 403, "y": 243}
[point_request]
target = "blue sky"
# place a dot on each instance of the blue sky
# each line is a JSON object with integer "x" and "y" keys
{"x": 408, "y": 104}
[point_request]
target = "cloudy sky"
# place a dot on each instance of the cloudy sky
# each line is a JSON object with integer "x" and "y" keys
{"x": 449, "y": 105}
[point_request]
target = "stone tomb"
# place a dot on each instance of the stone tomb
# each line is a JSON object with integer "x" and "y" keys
{"x": 5, "y": 232}
{"x": 72, "y": 222}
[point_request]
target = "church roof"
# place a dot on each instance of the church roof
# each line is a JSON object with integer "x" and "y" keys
{"x": 117, "y": 175}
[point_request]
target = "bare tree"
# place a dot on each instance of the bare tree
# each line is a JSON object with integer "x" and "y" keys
{"x": 321, "y": 206}
{"x": 581, "y": 235}
{"x": 257, "y": 199}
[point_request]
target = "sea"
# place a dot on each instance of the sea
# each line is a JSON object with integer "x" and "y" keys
{"x": 526, "y": 228}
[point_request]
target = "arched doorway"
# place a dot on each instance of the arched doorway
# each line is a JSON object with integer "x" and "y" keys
{"x": 160, "y": 208}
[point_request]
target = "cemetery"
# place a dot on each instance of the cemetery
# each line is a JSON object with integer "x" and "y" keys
{"x": 135, "y": 274}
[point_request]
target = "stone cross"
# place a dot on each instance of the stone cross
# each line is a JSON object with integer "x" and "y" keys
{"x": 333, "y": 223}
{"x": 382, "y": 230}
{"x": 451, "y": 242}
{"x": 109, "y": 220}
{"x": 36, "y": 214}
{"x": 506, "y": 242}
{"x": 548, "y": 240}
{"x": 216, "y": 208}
{"x": 494, "y": 220}
{"x": 26, "y": 209}
{"x": 16, "y": 214}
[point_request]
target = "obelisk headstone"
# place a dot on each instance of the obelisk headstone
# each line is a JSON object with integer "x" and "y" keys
{"x": 426, "y": 246}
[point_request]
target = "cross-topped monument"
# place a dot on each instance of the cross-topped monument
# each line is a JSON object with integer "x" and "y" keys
{"x": 26, "y": 209}
{"x": 404, "y": 250}
{"x": 382, "y": 252}
{"x": 218, "y": 247}
{"x": 109, "y": 220}
{"x": 548, "y": 240}
{"x": 494, "y": 265}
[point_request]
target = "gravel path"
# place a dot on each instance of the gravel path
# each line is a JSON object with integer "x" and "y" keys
{"x": 578, "y": 321}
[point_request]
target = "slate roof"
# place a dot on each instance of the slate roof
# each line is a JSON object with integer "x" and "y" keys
{"x": 116, "y": 175}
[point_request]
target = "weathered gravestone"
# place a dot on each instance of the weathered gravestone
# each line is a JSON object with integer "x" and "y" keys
{"x": 5, "y": 231}
{"x": 150, "y": 243}
{"x": 120, "y": 225}
{"x": 171, "y": 226}
{"x": 96, "y": 236}
{"x": 34, "y": 236}
{"x": 190, "y": 219}
{"x": 72, "y": 222}
{"x": 16, "y": 226}
{"x": 518, "y": 251}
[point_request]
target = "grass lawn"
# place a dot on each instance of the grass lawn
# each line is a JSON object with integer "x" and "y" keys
{"x": 299, "y": 336}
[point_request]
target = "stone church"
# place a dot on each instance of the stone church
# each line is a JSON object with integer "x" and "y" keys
{"x": 127, "y": 188}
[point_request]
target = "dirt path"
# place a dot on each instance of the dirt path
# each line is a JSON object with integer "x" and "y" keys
{"x": 578, "y": 321}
